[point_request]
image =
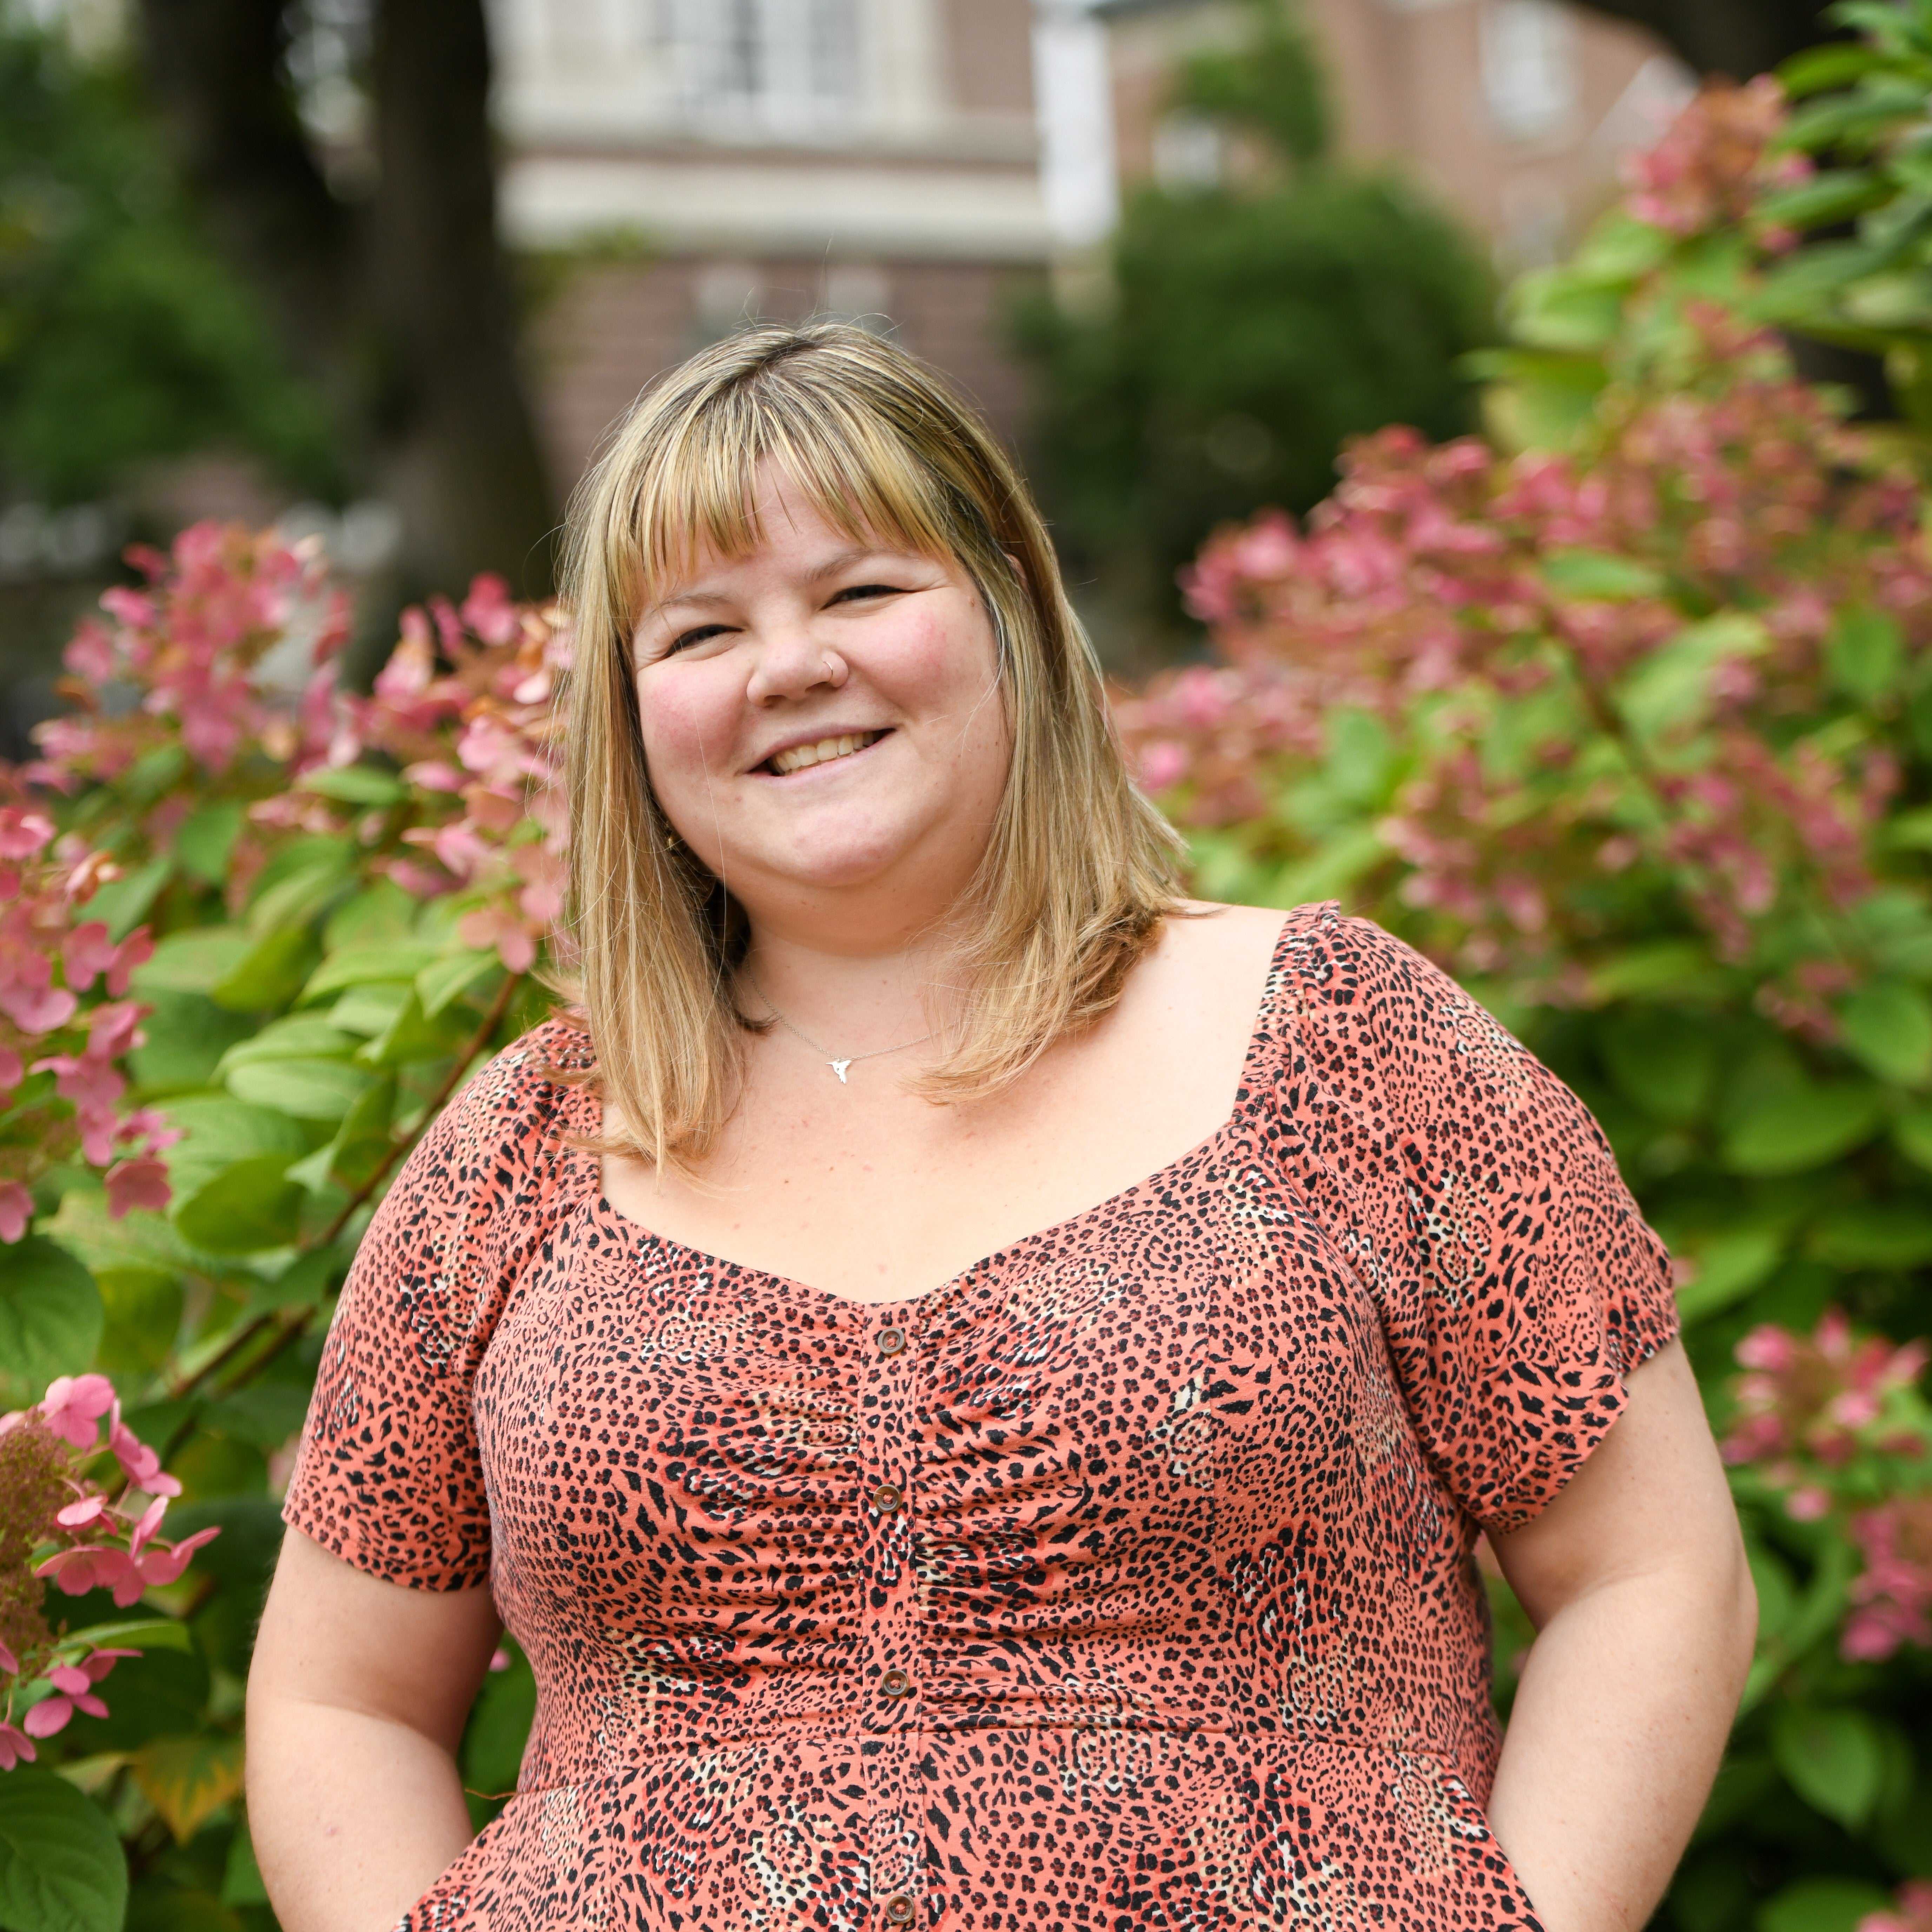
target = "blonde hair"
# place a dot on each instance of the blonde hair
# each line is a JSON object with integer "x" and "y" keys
{"x": 1080, "y": 869}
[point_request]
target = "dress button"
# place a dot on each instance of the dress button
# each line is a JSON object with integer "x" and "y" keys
{"x": 899, "y": 1910}
{"x": 891, "y": 1341}
{"x": 895, "y": 1684}
{"x": 887, "y": 1497}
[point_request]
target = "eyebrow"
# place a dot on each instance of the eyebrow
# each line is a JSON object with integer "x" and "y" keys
{"x": 839, "y": 560}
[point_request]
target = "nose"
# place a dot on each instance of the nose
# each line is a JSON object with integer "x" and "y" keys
{"x": 791, "y": 664}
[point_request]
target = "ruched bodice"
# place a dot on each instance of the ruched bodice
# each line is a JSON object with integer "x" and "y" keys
{"x": 1124, "y": 1580}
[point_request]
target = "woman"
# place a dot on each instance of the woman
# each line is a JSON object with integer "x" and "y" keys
{"x": 958, "y": 1552}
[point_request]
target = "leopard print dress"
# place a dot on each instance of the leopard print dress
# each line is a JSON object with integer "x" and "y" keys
{"x": 1124, "y": 1581}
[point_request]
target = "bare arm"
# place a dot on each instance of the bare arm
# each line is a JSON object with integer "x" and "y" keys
{"x": 1636, "y": 1580}
{"x": 356, "y": 1703}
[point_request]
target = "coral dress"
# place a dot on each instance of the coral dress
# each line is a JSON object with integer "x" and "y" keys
{"x": 1123, "y": 1581}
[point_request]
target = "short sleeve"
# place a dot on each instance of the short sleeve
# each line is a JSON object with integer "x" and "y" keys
{"x": 388, "y": 1475}
{"x": 1517, "y": 1282}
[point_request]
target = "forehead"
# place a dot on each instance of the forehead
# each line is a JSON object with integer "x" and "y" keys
{"x": 812, "y": 523}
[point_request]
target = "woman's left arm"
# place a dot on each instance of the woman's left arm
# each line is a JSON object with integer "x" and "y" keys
{"x": 1636, "y": 1580}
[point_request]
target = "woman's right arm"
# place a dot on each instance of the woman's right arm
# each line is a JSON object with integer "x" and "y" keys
{"x": 356, "y": 1703}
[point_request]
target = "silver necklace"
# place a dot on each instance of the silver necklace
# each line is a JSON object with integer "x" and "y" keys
{"x": 837, "y": 1066}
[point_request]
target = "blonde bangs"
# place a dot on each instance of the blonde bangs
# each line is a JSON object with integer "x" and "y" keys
{"x": 698, "y": 493}
{"x": 1080, "y": 869}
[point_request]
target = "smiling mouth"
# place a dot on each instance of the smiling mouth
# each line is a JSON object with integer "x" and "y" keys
{"x": 784, "y": 763}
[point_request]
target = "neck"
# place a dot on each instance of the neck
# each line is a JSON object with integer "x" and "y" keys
{"x": 850, "y": 1002}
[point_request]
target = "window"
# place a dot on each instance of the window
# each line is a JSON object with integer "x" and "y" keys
{"x": 788, "y": 67}
{"x": 1528, "y": 51}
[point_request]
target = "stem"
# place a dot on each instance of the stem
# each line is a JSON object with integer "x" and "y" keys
{"x": 293, "y": 1322}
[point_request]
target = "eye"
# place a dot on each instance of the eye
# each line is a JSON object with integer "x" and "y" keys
{"x": 703, "y": 633}
{"x": 855, "y": 592}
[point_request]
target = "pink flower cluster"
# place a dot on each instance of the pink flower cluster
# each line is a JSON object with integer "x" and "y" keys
{"x": 1715, "y": 161}
{"x": 193, "y": 644}
{"x": 51, "y": 956}
{"x": 1824, "y": 1398}
{"x": 467, "y": 705}
{"x": 100, "y": 1543}
{"x": 1911, "y": 1911}
{"x": 1440, "y": 589}
{"x": 1814, "y": 1413}
{"x": 1892, "y": 1600}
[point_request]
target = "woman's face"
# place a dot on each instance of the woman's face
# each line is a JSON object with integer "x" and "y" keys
{"x": 822, "y": 724}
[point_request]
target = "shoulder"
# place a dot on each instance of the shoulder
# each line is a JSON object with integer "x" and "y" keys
{"x": 522, "y": 1105}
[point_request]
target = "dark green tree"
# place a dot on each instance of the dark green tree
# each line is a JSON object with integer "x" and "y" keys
{"x": 123, "y": 336}
{"x": 1253, "y": 323}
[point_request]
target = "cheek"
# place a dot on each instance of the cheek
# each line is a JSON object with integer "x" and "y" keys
{"x": 687, "y": 721}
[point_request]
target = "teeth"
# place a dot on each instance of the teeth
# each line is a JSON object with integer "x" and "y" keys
{"x": 823, "y": 752}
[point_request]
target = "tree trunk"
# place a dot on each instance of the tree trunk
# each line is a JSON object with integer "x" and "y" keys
{"x": 399, "y": 308}
{"x": 1737, "y": 38}
{"x": 461, "y": 457}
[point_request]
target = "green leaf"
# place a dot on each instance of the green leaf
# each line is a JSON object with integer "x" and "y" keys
{"x": 187, "y": 1035}
{"x": 355, "y": 785}
{"x": 310, "y": 1089}
{"x": 413, "y": 1035}
{"x": 1874, "y": 1234}
{"x": 1818, "y": 68}
{"x": 1831, "y": 1758}
{"x": 267, "y": 1414}
{"x": 1666, "y": 965}
{"x": 1670, "y": 689}
{"x": 363, "y": 1142}
{"x": 1821, "y": 1905}
{"x": 268, "y": 974}
{"x": 379, "y": 915}
{"x": 250, "y": 1206}
{"x": 1910, "y": 831}
{"x": 1329, "y": 871}
{"x": 60, "y": 1865}
{"x": 193, "y": 962}
{"x": 141, "y": 1633}
{"x": 1865, "y": 652}
{"x": 205, "y": 841}
{"x": 1599, "y": 576}
{"x": 358, "y": 965}
{"x": 141, "y": 1240}
{"x": 162, "y": 1693}
{"x": 301, "y": 881}
{"x": 1911, "y": 1134}
{"x": 143, "y": 1317}
{"x": 218, "y": 1132}
{"x": 1887, "y": 1029}
{"x": 309, "y": 1279}
{"x": 300, "y": 1037}
{"x": 50, "y": 1312}
{"x": 1728, "y": 1266}
{"x": 1833, "y": 194}
{"x": 1662, "y": 1061}
{"x": 370, "y": 1009}
{"x": 438, "y": 985}
{"x": 1792, "y": 1132}
{"x": 125, "y": 903}
{"x": 242, "y": 1882}
{"x": 187, "y": 1780}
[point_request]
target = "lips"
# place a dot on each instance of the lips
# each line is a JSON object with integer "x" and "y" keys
{"x": 821, "y": 751}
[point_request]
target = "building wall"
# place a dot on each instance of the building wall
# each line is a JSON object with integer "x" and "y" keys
{"x": 616, "y": 327}
{"x": 1515, "y": 113}
{"x": 876, "y": 158}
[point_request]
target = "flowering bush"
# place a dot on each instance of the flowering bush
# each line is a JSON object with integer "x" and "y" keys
{"x": 254, "y": 931}
{"x": 1626, "y": 716}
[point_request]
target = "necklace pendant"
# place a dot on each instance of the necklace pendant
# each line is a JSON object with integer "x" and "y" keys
{"x": 838, "y": 1067}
